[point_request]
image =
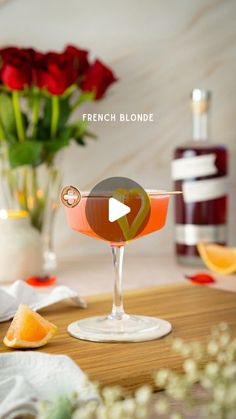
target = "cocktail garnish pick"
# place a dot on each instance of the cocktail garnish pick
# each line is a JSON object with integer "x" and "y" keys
{"x": 70, "y": 196}
{"x": 166, "y": 193}
{"x": 149, "y": 193}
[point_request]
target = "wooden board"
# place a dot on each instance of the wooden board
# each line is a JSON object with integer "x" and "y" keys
{"x": 192, "y": 310}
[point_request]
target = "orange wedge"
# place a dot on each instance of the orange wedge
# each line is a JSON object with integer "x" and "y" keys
{"x": 220, "y": 259}
{"x": 28, "y": 329}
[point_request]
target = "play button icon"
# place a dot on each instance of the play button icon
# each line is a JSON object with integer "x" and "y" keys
{"x": 116, "y": 210}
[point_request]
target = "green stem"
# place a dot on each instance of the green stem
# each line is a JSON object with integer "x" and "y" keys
{"x": 55, "y": 116}
{"x": 39, "y": 202}
{"x": 2, "y": 135}
{"x": 18, "y": 116}
{"x": 25, "y": 187}
{"x": 35, "y": 115}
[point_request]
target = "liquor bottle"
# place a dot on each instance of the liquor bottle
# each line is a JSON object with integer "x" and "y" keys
{"x": 199, "y": 169}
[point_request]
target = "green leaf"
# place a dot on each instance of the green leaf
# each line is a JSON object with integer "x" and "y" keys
{"x": 80, "y": 141}
{"x": 54, "y": 145}
{"x": 79, "y": 128}
{"x": 7, "y": 114}
{"x": 28, "y": 152}
{"x": 79, "y": 131}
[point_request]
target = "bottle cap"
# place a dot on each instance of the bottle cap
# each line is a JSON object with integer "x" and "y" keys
{"x": 200, "y": 100}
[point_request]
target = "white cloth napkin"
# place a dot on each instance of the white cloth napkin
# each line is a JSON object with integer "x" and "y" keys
{"x": 21, "y": 293}
{"x": 27, "y": 377}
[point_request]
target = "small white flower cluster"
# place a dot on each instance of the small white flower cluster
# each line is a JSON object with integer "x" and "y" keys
{"x": 207, "y": 390}
{"x": 115, "y": 404}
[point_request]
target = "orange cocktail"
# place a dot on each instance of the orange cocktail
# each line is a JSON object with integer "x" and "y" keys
{"x": 91, "y": 216}
{"x": 78, "y": 219}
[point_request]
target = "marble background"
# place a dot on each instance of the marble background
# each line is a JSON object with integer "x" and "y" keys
{"x": 160, "y": 50}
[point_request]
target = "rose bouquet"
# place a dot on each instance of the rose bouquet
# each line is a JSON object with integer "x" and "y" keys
{"x": 39, "y": 93}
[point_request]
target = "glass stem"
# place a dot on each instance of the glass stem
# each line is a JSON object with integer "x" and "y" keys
{"x": 117, "y": 308}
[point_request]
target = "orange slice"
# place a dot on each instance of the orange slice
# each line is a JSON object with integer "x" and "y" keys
{"x": 28, "y": 329}
{"x": 220, "y": 259}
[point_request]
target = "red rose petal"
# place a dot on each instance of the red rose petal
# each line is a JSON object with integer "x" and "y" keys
{"x": 201, "y": 278}
{"x": 41, "y": 281}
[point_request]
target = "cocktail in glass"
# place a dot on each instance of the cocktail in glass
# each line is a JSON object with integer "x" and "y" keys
{"x": 119, "y": 326}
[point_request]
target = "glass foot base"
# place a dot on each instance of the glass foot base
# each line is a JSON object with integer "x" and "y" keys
{"x": 127, "y": 329}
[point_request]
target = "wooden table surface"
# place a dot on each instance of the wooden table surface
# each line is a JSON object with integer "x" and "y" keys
{"x": 192, "y": 310}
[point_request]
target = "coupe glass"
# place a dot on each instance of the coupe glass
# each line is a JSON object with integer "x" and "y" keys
{"x": 118, "y": 326}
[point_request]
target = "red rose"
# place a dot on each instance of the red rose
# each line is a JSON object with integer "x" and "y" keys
{"x": 33, "y": 54}
{"x": 15, "y": 68}
{"x": 97, "y": 79}
{"x": 79, "y": 58}
{"x": 55, "y": 72}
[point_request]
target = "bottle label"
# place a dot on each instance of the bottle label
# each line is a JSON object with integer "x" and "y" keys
{"x": 191, "y": 234}
{"x": 204, "y": 190}
{"x": 192, "y": 167}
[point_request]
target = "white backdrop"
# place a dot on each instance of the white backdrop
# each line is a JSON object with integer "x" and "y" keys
{"x": 160, "y": 50}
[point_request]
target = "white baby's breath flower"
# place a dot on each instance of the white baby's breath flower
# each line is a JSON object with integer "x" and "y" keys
{"x": 177, "y": 388}
{"x": 219, "y": 392}
{"x": 222, "y": 357}
{"x": 116, "y": 411}
{"x": 189, "y": 366}
{"x": 177, "y": 344}
{"x": 197, "y": 350}
{"x": 212, "y": 369}
{"x": 186, "y": 350}
{"x": 191, "y": 370}
{"x": 207, "y": 383}
{"x": 192, "y": 378}
{"x": 214, "y": 409}
{"x": 223, "y": 327}
{"x": 224, "y": 340}
{"x": 230, "y": 356}
{"x": 102, "y": 412}
{"x": 229, "y": 371}
{"x": 233, "y": 345}
{"x": 129, "y": 406}
{"x": 142, "y": 413}
{"x": 162, "y": 377}
{"x": 143, "y": 395}
{"x": 111, "y": 394}
{"x": 86, "y": 411}
{"x": 212, "y": 348}
{"x": 231, "y": 394}
{"x": 162, "y": 406}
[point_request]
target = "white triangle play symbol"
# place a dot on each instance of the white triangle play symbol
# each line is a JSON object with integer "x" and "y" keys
{"x": 117, "y": 210}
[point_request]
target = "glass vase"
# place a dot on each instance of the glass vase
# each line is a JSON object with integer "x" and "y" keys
{"x": 36, "y": 190}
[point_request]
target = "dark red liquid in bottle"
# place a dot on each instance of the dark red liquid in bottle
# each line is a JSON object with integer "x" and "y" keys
{"x": 211, "y": 213}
